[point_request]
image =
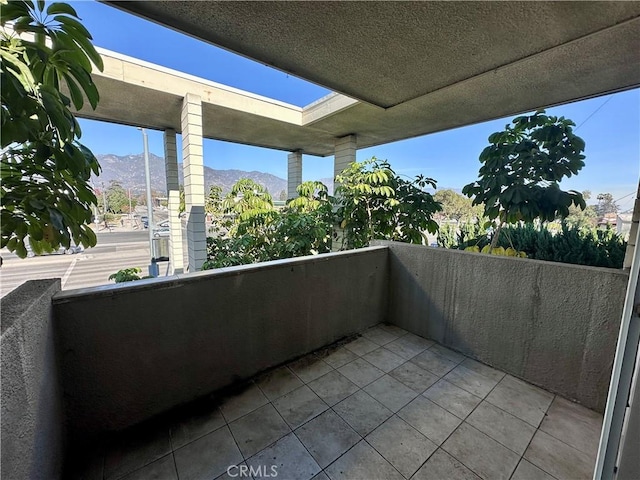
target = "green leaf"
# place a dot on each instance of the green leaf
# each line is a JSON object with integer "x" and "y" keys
{"x": 61, "y": 8}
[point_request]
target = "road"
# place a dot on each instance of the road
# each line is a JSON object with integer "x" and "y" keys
{"x": 114, "y": 251}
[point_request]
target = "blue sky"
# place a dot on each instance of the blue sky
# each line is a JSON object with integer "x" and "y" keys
{"x": 610, "y": 125}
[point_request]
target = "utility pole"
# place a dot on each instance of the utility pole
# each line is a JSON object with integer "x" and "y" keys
{"x": 130, "y": 211}
{"x": 153, "y": 266}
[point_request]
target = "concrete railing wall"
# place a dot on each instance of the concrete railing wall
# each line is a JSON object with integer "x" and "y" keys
{"x": 554, "y": 325}
{"x": 133, "y": 351}
{"x": 32, "y": 419}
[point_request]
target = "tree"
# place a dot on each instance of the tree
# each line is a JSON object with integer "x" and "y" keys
{"x": 606, "y": 204}
{"x": 45, "y": 171}
{"x": 247, "y": 198}
{"x": 117, "y": 198}
{"x": 213, "y": 202}
{"x": 375, "y": 203}
{"x": 521, "y": 170}
{"x": 282, "y": 196}
{"x": 580, "y": 218}
{"x": 456, "y": 206}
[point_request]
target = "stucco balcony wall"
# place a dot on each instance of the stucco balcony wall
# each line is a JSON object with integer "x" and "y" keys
{"x": 129, "y": 352}
{"x": 552, "y": 324}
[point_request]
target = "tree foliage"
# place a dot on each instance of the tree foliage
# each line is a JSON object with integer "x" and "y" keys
{"x": 45, "y": 171}
{"x": 606, "y": 204}
{"x": 522, "y": 167}
{"x": 118, "y": 198}
{"x": 375, "y": 203}
{"x": 304, "y": 227}
{"x": 456, "y": 206}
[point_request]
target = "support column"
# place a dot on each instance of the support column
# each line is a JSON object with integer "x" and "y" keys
{"x": 194, "y": 180}
{"x": 173, "y": 195}
{"x": 294, "y": 173}
{"x": 345, "y": 153}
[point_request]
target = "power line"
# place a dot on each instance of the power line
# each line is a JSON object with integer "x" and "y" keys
{"x": 594, "y": 112}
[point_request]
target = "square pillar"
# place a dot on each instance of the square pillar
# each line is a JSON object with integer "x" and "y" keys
{"x": 294, "y": 173}
{"x": 194, "y": 180}
{"x": 173, "y": 194}
{"x": 345, "y": 153}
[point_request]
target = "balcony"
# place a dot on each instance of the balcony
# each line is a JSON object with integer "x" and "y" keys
{"x": 395, "y": 361}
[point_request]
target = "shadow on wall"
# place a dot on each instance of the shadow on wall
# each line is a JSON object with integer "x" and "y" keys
{"x": 553, "y": 325}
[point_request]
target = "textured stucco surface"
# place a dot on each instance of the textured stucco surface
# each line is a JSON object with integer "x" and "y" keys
{"x": 551, "y": 324}
{"x": 31, "y": 401}
{"x": 131, "y": 352}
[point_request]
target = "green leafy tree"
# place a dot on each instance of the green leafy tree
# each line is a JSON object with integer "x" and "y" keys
{"x": 45, "y": 171}
{"x": 247, "y": 198}
{"x": 606, "y": 204}
{"x": 213, "y": 202}
{"x": 375, "y": 203}
{"x": 117, "y": 198}
{"x": 521, "y": 170}
{"x": 456, "y": 206}
{"x": 580, "y": 218}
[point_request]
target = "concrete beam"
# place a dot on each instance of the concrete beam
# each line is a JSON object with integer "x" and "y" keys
{"x": 294, "y": 173}
{"x": 194, "y": 180}
{"x": 173, "y": 194}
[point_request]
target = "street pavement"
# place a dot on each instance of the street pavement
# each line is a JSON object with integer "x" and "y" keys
{"x": 115, "y": 250}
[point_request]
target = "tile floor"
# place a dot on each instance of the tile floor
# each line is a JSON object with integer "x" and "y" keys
{"x": 387, "y": 405}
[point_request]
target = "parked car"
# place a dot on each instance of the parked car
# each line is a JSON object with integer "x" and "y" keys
{"x": 145, "y": 221}
{"x": 73, "y": 249}
{"x": 161, "y": 232}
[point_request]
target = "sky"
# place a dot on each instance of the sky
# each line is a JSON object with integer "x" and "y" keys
{"x": 610, "y": 125}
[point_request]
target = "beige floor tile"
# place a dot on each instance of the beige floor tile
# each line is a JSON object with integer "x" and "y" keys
{"x": 299, "y": 406}
{"x": 361, "y": 346}
{"x": 362, "y": 462}
{"x": 333, "y": 387}
{"x": 452, "y": 398}
{"x": 242, "y": 400}
{"x": 207, "y": 457}
{"x": 309, "y": 368}
{"x": 471, "y": 381}
{"x": 431, "y": 420}
{"x": 362, "y": 412}
{"x": 278, "y": 382}
{"x": 259, "y": 429}
{"x": 401, "y": 445}
{"x": 361, "y": 372}
{"x": 527, "y": 402}
{"x": 480, "y": 453}
{"x": 574, "y": 424}
{"x": 390, "y": 392}
{"x": 327, "y": 437}
{"x": 434, "y": 363}
{"x": 510, "y": 431}
{"x": 339, "y": 357}
{"x": 414, "y": 377}
{"x": 442, "y": 466}
{"x": 384, "y": 359}
{"x": 287, "y": 458}
{"x": 559, "y": 459}
{"x": 528, "y": 471}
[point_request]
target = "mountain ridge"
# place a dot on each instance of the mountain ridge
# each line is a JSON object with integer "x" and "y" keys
{"x": 128, "y": 170}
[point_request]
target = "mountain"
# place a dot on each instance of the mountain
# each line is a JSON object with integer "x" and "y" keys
{"x": 128, "y": 170}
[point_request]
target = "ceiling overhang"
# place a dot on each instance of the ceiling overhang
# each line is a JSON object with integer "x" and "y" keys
{"x": 409, "y": 69}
